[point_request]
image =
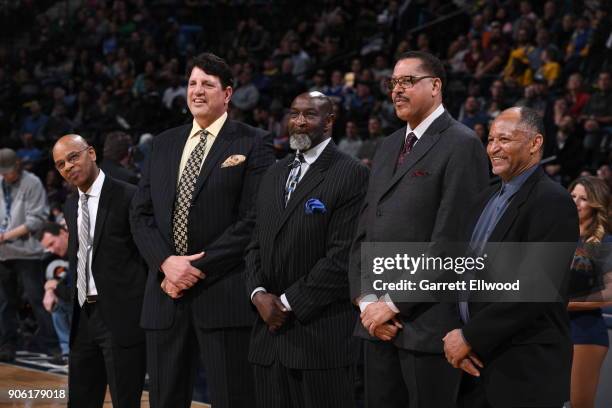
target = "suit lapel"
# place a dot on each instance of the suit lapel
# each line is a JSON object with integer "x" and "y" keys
{"x": 425, "y": 143}
{"x": 512, "y": 212}
{"x": 280, "y": 179}
{"x": 396, "y": 141}
{"x": 73, "y": 231}
{"x": 103, "y": 204}
{"x": 314, "y": 176}
{"x": 176, "y": 152}
{"x": 213, "y": 159}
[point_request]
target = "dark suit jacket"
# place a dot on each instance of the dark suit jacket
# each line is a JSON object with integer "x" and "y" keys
{"x": 526, "y": 347}
{"x": 220, "y": 223}
{"x": 426, "y": 200}
{"x": 305, "y": 256}
{"x": 117, "y": 267}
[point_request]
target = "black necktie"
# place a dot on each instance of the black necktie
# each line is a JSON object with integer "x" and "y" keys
{"x": 294, "y": 176}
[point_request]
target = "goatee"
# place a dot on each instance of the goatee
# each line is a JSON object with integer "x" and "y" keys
{"x": 300, "y": 141}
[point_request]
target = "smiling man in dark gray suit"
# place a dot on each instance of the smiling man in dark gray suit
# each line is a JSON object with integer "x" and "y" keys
{"x": 424, "y": 178}
{"x": 307, "y": 210}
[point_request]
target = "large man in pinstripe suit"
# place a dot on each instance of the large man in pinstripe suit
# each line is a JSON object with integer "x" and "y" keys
{"x": 297, "y": 266}
{"x": 192, "y": 219}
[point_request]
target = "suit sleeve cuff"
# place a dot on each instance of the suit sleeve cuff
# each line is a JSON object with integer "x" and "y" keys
{"x": 387, "y": 299}
{"x": 366, "y": 300}
{"x": 283, "y": 299}
{"x": 257, "y": 289}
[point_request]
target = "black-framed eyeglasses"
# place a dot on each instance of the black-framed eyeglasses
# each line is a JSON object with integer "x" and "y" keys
{"x": 71, "y": 158}
{"x": 405, "y": 82}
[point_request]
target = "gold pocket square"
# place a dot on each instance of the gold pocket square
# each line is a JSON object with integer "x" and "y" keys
{"x": 233, "y": 160}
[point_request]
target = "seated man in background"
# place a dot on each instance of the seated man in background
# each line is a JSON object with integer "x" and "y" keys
{"x": 57, "y": 299}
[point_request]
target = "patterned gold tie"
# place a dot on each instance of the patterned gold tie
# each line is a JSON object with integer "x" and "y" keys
{"x": 184, "y": 194}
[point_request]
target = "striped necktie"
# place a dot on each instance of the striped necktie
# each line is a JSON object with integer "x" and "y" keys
{"x": 83, "y": 253}
{"x": 294, "y": 176}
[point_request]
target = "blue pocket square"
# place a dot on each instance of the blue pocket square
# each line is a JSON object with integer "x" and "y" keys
{"x": 314, "y": 205}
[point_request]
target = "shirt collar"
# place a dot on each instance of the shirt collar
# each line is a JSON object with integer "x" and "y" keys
{"x": 422, "y": 127}
{"x": 312, "y": 154}
{"x": 96, "y": 188}
{"x": 514, "y": 185}
{"x": 213, "y": 129}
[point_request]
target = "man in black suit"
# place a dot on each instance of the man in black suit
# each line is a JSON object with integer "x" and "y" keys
{"x": 424, "y": 178}
{"x": 297, "y": 263}
{"x": 106, "y": 344}
{"x": 192, "y": 218}
{"x": 525, "y": 347}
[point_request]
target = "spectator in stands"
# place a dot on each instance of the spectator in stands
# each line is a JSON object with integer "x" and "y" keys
{"x": 518, "y": 71}
{"x": 495, "y": 54}
{"x": 351, "y": 142}
{"x": 175, "y": 89}
{"x": 58, "y": 299}
{"x": 246, "y": 95}
{"x": 535, "y": 96}
{"x": 472, "y": 113}
{"x": 371, "y": 143}
{"x": 579, "y": 45}
{"x": 576, "y": 97}
{"x": 116, "y": 162}
{"x": 481, "y": 130}
{"x": 567, "y": 151}
{"x": 597, "y": 113}
{"x": 550, "y": 70}
{"x": 23, "y": 210}
{"x": 318, "y": 82}
{"x": 604, "y": 172}
{"x": 35, "y": 122}
{"x": 360, "y": 104}
{"x": 589, "y": 332}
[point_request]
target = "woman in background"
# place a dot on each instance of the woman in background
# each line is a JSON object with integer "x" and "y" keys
{"x": 589, "y": 332}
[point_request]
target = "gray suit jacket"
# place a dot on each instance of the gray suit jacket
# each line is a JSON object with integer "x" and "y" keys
{"x": 425, "y": 200}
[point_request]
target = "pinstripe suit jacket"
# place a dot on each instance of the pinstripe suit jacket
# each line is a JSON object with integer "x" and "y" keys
{"x": 221, "y": 221}
{"x": 305, "y": 256}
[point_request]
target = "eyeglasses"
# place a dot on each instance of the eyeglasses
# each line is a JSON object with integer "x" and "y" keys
{"x": 405, "y": 82}
{"x": 71, "y": 158}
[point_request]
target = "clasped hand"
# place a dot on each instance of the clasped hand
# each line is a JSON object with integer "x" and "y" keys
{"x": 271, "y": 309}
{"x": 180, "y": 274}
{"x": 380, "y": 321}
{"x": 459, "y": 353}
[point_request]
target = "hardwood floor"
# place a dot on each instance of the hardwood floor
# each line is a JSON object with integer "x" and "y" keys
{"x": 21, "y": 378}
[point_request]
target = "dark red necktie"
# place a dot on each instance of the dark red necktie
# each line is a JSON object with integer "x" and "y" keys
{"x": 408, "y": 144}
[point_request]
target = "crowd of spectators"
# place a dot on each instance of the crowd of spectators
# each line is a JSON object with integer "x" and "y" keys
{"x": 94, "y": 67}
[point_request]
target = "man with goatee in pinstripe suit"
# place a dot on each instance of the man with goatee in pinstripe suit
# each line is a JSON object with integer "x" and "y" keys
{"x": 307, "y": 209}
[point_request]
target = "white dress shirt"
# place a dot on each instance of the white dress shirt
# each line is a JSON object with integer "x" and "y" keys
{"x": 418, "y": 131}
{"x": 310, "y": 156}
{"x": 92, "y": 204}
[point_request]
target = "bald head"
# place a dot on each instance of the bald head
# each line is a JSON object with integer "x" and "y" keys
{"x": 75, "y": 160}
{"x": 320, "y": 99}
{"x": 73, "y": 140}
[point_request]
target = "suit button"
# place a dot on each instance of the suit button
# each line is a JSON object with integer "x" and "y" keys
{"x": 378, "y": 213}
